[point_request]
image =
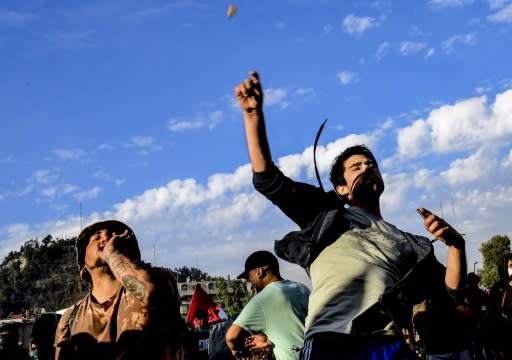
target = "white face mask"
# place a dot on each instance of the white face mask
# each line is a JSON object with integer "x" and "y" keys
{"x": 509, "y": 272}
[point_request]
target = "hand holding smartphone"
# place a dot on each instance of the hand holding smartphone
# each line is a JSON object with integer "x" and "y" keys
{"x": 424, "y": 213}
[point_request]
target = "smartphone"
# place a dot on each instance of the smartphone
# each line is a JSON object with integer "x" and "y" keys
{"x": 424, "y": 215}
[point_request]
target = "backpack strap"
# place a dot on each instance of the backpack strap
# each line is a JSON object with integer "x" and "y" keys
{"x": 72, "y": 317}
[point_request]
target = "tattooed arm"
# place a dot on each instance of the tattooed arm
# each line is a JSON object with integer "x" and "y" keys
{"x": 134, "y": 277}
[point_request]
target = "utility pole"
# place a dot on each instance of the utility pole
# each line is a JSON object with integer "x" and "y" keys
{"x": 474, "y": 266}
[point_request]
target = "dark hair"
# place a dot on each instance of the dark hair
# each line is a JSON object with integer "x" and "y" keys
{"x": 337, "y": 168}
{"x": 503, "y": 266}
{"x": 201, "y": 314}
{"x": 472, "y": 277}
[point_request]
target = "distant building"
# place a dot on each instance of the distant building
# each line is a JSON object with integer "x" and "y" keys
{"x": 24, "y": 326}
{"x": 24, "y": 323}
{"x": 186, "y": 290}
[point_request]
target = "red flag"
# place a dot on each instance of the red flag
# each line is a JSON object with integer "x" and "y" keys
{"x": 201, "y": 300}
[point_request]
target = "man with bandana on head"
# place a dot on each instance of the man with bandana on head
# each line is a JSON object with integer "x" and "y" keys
{"x": 366, "y": 274}
{"x": 132, "y": 310}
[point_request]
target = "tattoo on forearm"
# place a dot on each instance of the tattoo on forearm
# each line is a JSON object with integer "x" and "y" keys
{"x": 116, "y": 263}
{"x": 119, "y": 266}
{"x": 136, "y": 287}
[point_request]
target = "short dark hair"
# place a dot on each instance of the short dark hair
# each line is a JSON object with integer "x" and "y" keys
{"x": 201, "y": 314}
{"x": 337, "y": 168}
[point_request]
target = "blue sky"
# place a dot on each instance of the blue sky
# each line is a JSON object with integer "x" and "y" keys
{"x": 126, "y": 107}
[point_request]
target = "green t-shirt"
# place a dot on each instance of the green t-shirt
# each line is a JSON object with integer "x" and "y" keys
{"x": 279, "y": 311}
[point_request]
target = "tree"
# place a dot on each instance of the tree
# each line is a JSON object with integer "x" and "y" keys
{"x": 184, "y": 274}
{"x": 40, "y": 277}
{"x": 233, "y": 300}
{"x": 491, "y": 251}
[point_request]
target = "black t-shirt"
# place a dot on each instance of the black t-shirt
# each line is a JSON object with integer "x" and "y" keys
{"x": 200, "y": 336}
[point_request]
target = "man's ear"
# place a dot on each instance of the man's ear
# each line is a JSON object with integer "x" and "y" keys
{"x": 261, "y": 273}
{"x": 342, "y": 190}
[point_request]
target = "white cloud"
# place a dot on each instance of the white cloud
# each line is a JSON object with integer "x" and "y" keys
{"x": 414, "y": 139}
{"x": 462, "y": 126}
{"x": 496, "y": 4}
{"x": 358, "y": 25}
{"x": 56, "y": 191}
{"x": 68, "y": 188}
{"x": 105, "y": 176}
{"x": 450, "y": 3}
{"x": 103, "y": 147}
{"x": 411, "y": 47}
{"x": 503, "y": 15}
{"x": 430, "y": 52}
{"x": 276, "y": 97}
{"x": 88, "y": 194}
{"x": 209, "y": 121}
{"x": 472, "y": 168}
{"x": 482, "y": 90}
{"x": 327, "y": 29}
{"x": 347, "y": 77}
{"x": 382, "y": 50}
{"x": 145, "y": 144}
{"x": 68, "y": 154}
{"x": 396, "y": 190}
{"x": 45, "y": 176}
{"x": 508, "y": 161}
{"x": 465, "y": 39}
{"x": 143, "y": 141}
{"x": 177, "y": 125}
{"x": 506, "y": 83}
{"x": 50, "y": 192}
{"x": 304, "y": 91}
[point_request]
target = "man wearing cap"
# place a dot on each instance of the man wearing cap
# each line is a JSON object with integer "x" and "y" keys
{"x": 277, "y": 310}
{"x": 132, "y": 310}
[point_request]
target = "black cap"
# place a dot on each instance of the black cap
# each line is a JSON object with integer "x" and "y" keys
{"x": 259, "y": 259}
{"x": 113, "y": 225}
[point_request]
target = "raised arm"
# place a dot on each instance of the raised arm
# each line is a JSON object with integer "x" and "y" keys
{"x": 135, "y": 278}
{"x": 250, "y": 98}
{"x": 456, "y": 262}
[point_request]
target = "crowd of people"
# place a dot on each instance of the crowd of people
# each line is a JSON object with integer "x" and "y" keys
{"x": 378, "y": 292}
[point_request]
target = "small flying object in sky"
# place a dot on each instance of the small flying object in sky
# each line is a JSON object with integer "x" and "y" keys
{"x": 231, "y": 10}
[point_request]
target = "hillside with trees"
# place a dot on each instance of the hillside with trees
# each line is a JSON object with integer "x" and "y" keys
{"x": 42, "y": 274}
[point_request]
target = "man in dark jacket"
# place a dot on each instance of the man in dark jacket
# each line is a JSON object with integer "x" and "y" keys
{"x": 365, "y": 272}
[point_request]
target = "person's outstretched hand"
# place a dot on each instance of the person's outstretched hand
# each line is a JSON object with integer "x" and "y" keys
{"x": 249, "y": 94}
